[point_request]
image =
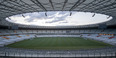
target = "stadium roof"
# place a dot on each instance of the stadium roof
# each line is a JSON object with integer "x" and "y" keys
{"x": 14, "y": 7}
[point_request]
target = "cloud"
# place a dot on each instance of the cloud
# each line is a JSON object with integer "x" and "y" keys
{"x": 34, "y": 16}
{"x": 58, "y": 18}
{"x": 54, "y": 16}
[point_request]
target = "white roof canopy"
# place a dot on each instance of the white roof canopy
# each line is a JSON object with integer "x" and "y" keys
{"x": 14, "y": 7}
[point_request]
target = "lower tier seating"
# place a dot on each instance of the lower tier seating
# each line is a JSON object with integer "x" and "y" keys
{"x": 5, "y": 40}
{"x": 104, "y": 38}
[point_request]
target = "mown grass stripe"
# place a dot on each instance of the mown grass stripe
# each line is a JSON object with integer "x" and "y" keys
{"x": 59, "y": 43}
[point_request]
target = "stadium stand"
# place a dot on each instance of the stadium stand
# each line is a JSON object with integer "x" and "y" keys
{"x": 104, "y": 38}
{"x": 8, "y": 36}
{"x": 5, "y": 40}
{"x": 58, "y": 53}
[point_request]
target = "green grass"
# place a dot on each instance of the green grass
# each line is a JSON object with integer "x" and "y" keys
{"x": 58, "y": 43}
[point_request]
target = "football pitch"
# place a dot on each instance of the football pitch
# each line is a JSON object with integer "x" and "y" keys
{"x": 59, "y": 43}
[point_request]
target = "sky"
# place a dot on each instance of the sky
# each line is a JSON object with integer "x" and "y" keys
{"x": 58, "y": 18}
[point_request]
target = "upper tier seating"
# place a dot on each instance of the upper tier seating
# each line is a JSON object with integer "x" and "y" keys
{"x": 95, "y": 31}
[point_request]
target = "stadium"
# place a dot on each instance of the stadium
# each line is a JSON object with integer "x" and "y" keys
{"x": 58, "y": 29}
